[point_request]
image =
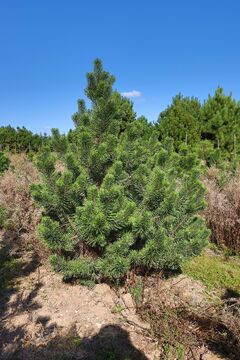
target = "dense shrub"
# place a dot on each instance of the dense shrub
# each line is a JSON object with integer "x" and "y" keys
{"x": 121, "y": 199}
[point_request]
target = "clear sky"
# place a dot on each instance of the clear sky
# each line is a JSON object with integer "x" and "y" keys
{"x": 155, "y": 49}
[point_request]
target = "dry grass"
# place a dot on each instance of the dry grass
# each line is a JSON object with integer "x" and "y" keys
{"x": 223, "y": 209}
{"x": 21, "y": 214}
{"x": 188, "y": 332}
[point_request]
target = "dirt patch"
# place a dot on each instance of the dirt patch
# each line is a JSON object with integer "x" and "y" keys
{"x": 44, "y": 309}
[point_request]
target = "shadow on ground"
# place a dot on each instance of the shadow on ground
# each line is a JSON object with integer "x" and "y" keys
{"x": 39, "y": 338}
{"x": 111, "y": 343}
{"x": 12, "y": 302}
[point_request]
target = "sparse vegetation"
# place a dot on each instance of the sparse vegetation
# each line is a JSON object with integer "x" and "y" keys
{"x": 19, "y": 215}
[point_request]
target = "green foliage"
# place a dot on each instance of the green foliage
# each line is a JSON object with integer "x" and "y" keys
{"x": 181, "y": 121}
{"x": 2, "y": 216}
{"x": 221, "y": 122}
{"x": 211, "y": 130}
{"x": 121, "y": 199}
{"x": 176, "y": 351}
{"x": 137, "y": 292}
{"x": 4, "y": 163}
{"x": 118, "y": 308}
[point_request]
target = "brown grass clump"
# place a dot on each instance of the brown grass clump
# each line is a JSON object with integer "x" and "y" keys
{"x": 21, "y": 214}
{"x": 223, "y": 209}
{"x": 188, "y": 332}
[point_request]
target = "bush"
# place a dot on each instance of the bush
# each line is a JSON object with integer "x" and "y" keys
{"x": 121, "y": 200}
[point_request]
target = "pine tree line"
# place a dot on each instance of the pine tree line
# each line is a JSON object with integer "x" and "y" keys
{"x": 20, "y": 140}
{"x": 211, "y": 129}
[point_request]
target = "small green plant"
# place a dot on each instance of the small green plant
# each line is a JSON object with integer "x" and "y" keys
{"x": 77, "y": 341}
{"x": 88, "y": 283}
{"x": 117, "y": 309}
{"x": 2, "y": 216}
{"x": 137, "y": 292}
{"x": 172, "y": 352}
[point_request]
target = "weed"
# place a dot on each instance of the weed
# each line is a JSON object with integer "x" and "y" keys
{"x": 176, "y": 351}
{"x": 137, "y": 292}
{"x": 88, "y": 283}
{"x": 118, "y": 309}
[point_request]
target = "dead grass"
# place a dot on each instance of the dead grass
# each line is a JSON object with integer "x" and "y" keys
{"x": 21, "y": 214}
{"x": 223, "y": 208}
{"x": 187, "y": 332}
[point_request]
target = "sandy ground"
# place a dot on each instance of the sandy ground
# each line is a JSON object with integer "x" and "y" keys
{"x": 44, "y": 318}
{"x": 42, "y": 308}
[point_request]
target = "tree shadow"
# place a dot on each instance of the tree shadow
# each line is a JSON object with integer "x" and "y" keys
{"x": 39, "y": 338}
{"x": 13, "y": 301}
{"x": 110, "y": 343}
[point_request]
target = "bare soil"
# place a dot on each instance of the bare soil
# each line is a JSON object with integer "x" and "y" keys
{"x": 43, "y": 317}
{"x": 41, "y": 312}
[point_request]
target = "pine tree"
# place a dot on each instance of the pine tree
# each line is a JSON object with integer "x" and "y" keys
{"x": 181, "y": 121}
{"x": 221, "y": 123}
{"x": 121, "y": 199}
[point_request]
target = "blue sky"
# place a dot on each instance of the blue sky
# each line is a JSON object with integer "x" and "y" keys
{"x": 153, "y": 47}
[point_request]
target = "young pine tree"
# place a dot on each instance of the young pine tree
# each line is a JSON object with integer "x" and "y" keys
{"x": 181, "y": 121}
{"x": 120, "y": 198}
{"x": 221, "y": 123}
